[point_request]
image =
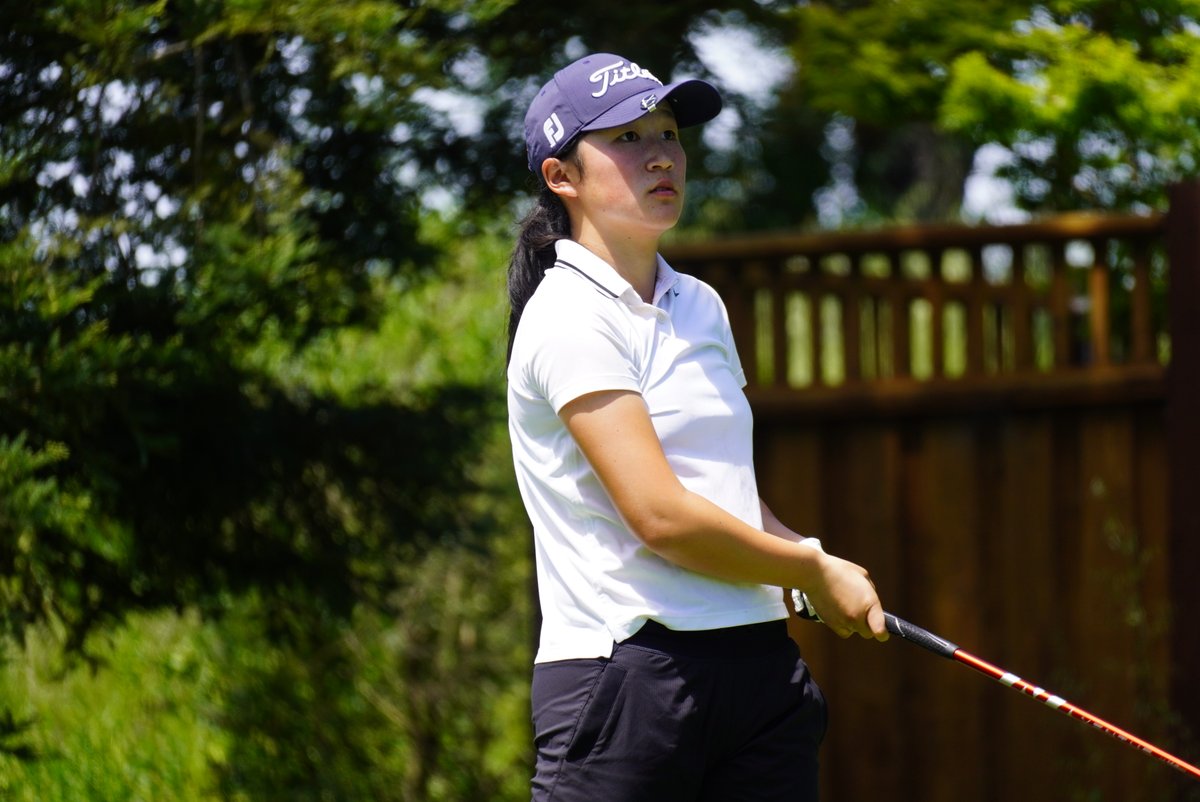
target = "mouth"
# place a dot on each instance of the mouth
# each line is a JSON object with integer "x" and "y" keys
{"x": 664, "y": 189}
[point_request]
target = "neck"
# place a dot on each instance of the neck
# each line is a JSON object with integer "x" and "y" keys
{"x": 635, "y": 260}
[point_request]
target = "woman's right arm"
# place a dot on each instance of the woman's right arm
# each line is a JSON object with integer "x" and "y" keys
{"x": 614, "y": 431}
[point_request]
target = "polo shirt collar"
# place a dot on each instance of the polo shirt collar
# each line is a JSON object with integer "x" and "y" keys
{"x": 664, "y": 279}
{"x": 574, "y": 256}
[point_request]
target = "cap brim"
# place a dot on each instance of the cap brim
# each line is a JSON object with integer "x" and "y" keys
{"x": 693, "y": 101}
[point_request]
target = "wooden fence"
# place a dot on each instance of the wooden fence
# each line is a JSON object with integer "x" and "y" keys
{"x": 1001, "y": 423}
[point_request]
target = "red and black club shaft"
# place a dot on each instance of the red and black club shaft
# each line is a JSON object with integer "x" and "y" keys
{"x": 943, "y": 647}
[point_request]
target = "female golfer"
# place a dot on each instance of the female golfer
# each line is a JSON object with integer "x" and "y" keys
{"x": 664, "y": 670}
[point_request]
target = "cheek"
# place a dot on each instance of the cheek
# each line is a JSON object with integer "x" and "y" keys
{"x": 615, "y": 180}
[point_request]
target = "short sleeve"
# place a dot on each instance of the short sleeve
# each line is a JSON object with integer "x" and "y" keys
{"x": 583, "y": 352}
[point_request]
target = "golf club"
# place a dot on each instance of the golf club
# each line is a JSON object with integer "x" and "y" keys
{"x": 944, "y": 648}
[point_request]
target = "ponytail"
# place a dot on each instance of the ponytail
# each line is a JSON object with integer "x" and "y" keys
{"x": 533, "y": 255}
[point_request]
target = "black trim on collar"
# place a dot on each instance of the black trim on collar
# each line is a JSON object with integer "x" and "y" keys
{"x": 568, "y": 265}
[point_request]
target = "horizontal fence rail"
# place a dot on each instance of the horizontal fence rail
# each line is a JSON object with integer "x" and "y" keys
{"x": 899, "y": 317}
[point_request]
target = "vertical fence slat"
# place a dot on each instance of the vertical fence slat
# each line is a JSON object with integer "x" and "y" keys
{"x": 852, "y": 322}
{"x": 901, "y": 339}
{"x": 1183, "y": 443}
{"x": 1021, "y": 546}
{"x": 1060, "y": 310}
{"x": 817, "y": 320}
{"x": 1141, "y": 324}
{"x": 1107, "y": 567}
{"x": 1098, "y": 307}
{"x": 976, "y": 298}
{"x": 756, "y": 280}
{"x": 940, "y": 562}
{"x": 1022, "y": 316}
{"x": 779, "y": 337}
{"x": 864, "y": 462}
{"x": 937, "y": 310}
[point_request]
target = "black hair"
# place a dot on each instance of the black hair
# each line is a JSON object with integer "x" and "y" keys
{"x": 534, "y": 252}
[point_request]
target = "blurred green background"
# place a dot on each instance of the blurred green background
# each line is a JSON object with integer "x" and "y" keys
{"x": 259, "y": 537}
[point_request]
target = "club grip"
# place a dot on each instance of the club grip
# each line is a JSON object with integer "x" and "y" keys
{"x": 913, "y": 633}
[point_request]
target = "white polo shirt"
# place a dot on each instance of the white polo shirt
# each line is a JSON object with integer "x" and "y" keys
{"x": 586, "y": 329}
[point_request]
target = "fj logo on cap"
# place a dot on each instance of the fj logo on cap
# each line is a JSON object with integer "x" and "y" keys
{"x": 650, "y": 102}
{"x": 554, "y": 130}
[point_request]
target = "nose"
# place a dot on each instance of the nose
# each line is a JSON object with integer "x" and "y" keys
{"x": 660, "y": 157}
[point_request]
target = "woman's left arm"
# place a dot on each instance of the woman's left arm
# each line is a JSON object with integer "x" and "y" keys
{"x": 773, "y": 525}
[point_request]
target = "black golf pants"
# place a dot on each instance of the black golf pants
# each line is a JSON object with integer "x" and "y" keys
{"x": 727, "y": 715}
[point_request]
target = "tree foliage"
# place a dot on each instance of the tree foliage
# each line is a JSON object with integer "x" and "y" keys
{"x": 184, "y": 185}
{"x": 1099, "y": 107}
{"x": 1095, "y": 100}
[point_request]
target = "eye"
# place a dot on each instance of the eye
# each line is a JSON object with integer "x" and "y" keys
{"x": 628, "y": 136}
{"x": 670, "y": 135}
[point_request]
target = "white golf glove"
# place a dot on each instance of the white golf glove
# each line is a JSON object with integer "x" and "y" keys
{"x": 804, "y": 607}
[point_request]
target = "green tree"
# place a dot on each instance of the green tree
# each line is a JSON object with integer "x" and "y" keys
{"x": 185, "y": 191}
{"x": 1095, "y": 100}
{"x": 184, "y": 186}
{"x": 1099, "y": 107}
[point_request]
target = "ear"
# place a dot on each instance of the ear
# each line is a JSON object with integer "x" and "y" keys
{"x": 561, "y": 177}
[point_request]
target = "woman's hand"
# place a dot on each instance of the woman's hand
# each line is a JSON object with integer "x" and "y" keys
{"x": 845, "y": 598}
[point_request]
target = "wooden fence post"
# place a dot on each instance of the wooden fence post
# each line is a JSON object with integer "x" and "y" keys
{"x": 1183, "y": 449}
